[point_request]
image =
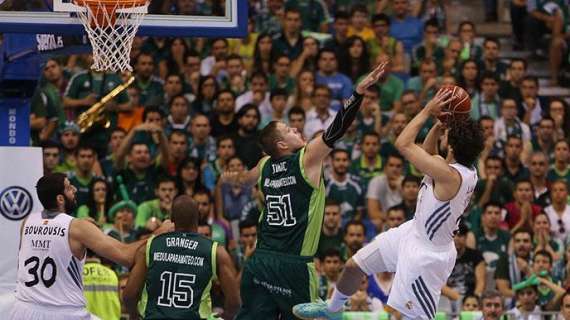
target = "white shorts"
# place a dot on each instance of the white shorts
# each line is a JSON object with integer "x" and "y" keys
{"x": 421, "y": 268}
{"x": 26, "y": 311}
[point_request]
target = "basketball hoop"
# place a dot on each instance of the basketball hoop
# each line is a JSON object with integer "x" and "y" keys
{"x": 111, "y": 26}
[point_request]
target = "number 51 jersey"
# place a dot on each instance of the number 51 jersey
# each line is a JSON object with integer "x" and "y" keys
{"x": 293, "y": 212}
{"x": 48, "y": 273}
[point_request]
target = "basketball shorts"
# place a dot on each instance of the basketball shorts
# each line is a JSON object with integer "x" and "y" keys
{"x": 25, "y": 311}
{"x": 421, "y": 268}
{"x": 272, "y": 283}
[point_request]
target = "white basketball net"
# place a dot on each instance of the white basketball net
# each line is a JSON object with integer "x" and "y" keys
{"x": 111, "y": 30}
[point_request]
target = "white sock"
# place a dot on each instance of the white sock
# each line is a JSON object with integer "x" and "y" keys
{"x": 337, "y": 301}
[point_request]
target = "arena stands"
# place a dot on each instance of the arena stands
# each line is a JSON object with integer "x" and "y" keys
{"x": 197, "y": 105}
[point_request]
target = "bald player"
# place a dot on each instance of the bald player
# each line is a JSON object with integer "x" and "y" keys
{"x": 178, "y": 268}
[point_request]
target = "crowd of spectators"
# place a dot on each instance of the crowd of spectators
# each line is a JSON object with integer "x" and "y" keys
{"x": 197, "y": 105}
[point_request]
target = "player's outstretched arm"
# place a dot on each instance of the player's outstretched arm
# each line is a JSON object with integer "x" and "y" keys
{"x": 90, "y": 236}
{"x": 432, "y": 165}
{"x": 246, "y": 178}
{"x": 228, "y": 282}
{"x": 135, "y": 285}
{"x": 320, "y": 147}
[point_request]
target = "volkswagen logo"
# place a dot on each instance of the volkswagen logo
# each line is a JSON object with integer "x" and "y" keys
{"x": 15, "y": 203}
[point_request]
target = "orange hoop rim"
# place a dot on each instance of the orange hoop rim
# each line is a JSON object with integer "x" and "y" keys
{"x": 111, "y": 3}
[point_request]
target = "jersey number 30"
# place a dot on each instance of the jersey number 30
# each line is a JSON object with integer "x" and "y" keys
{"x": 47, "y": 278}
{"x": 176, "y": 290}
{"x": 279, "y": 212}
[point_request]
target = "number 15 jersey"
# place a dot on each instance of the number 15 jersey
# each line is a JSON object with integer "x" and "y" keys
{"x": 293, "y": 212}
{"x": 48, "y": 273}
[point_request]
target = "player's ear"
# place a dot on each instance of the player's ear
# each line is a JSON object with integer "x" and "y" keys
{"x": 282, "y": 145}
{"x": 60, "y": 200}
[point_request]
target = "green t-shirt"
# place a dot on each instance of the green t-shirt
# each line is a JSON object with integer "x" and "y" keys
{"x": 347, "y": 193}
{"x": 553, "y": 175}
{"x": 375, "y": 47}
{"x": 82, "y": 186}
{"x": 293, "y": 212}
{"x": 84, "y": 212}
{"x": 289, "y": 85}
{"x": 502, "y": 191}
{"x": 84, "y": 83}
{"x": 312, "y": 13}
{"x": 147, "y": 210}
{"x": 180, "y": 269}
{"x": 390, "y": 91}
{"x": 151, "y": 92}
{"x": 139, "y": 187}
{"x": 46, "y": 102}
{"x": 492, "y": 248}
{"x": 366, "y": 173}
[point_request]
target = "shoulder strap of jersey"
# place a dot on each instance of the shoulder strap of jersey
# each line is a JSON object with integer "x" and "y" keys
{"x": 261, "y": 167}
{"x": 302, "y": 168}
{"x": 148, "y": 244}
{"x": 214, "y": 260}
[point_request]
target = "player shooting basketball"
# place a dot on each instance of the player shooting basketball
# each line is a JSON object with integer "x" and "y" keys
{"x": 420, "y": 251}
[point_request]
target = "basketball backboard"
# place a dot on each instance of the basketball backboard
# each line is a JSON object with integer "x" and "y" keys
{"x": 173, "y": 18}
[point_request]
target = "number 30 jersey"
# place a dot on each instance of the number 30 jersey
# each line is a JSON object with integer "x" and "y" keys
{"x": 293, "y": 212}
{"x": 48, "y": 273}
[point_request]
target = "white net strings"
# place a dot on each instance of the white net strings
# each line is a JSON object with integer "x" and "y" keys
{"x": 111, "y": 33}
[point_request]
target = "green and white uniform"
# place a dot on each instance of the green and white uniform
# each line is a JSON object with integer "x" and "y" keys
{"x": 181, "y": 268}
{"x": 281, "y": 272}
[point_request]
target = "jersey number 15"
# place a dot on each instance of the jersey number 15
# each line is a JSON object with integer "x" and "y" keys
{"x": 176, "y": 290}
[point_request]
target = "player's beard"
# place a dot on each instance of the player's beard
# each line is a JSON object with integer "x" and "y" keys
{"x": 70, "y": 205}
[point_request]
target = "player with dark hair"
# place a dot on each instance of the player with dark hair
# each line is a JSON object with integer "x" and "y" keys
{"x": 178, "y": 269}
{"x": 281, "y": 272}
{"x": 52, "y": 253}
{"x": 420, "y": 251}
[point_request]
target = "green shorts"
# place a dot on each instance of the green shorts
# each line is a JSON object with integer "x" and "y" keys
{"x": 272, "y": 283}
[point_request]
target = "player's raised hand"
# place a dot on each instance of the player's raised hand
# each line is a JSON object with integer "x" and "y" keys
{"x": 371, "y": 78}
{"x": 435, "y": 105}
{"x": 166, "y": 226}
{"x": 230, "y": 177}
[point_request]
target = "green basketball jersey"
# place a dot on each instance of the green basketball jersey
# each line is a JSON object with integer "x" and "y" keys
{"x": 292, "y": 215}
{"x": 181, "y": 267}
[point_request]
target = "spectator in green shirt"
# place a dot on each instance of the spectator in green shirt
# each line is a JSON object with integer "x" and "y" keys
{"x": 160, "y": 207}
{"x": 50, "y": 155}
{"x": 549, "y": 290}
{"x": 46, "y": 105}
{"x": 560, "y": 170}
{"x": 140, "y": 175}
{"x": 280, "y": 78}
{"x": 331, "y": 233}
{"x": 332, "y": 266}
{"x": 69, "y": 137}
{"x": 123, "y": 214}
{"x": 369, "y": 164}
{"x": 81, "y": 177}
{"x": 383, "y": 43}
{"x": 151, "y": 88}
{"x": 313, "y": 14}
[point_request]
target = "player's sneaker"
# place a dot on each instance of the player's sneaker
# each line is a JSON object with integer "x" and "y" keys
{"x": 315, "y": 310}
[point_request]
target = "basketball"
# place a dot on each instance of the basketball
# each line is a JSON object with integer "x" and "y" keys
{"x": 460, "y": 104}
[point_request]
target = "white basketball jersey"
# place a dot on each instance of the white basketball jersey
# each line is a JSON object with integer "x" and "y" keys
{"x": 438, "y": 220}
{"x": 48, "y": 273}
